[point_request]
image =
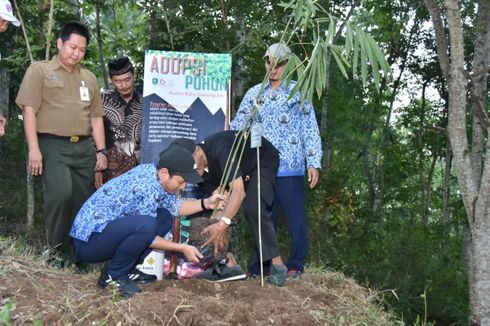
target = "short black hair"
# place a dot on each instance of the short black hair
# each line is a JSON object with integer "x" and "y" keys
{"x": 74, "y": 28}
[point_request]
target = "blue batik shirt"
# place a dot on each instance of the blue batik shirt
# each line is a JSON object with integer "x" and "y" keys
{"x": 289, "y": 125}
{"x": 137, "y": 192}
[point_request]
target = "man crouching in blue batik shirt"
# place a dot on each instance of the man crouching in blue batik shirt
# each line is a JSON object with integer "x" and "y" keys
{"x": 128, "y": 216}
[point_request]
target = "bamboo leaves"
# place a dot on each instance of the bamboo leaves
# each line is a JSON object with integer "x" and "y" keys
{"x": 360, "y": 52}
{"x": 314, "y": 75}
{"x": 303, "y": 11}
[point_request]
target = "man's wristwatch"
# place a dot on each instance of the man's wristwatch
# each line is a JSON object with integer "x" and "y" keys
{"x": 103, "y": 151}
{"x": 226, "y": 220}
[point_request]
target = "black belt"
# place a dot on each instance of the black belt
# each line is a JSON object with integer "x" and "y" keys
{"x": 71, "y": 139}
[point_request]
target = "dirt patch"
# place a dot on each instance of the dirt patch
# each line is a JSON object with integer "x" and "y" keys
{"x": 62, "y": 297}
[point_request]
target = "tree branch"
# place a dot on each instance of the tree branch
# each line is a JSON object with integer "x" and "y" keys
{"x": 441, "y": 40}
{"x": 479, "y": 72}
{"x": 29, "y": 51}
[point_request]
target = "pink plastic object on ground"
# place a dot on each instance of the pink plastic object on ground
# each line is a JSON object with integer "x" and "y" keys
{"x": 185, "y": 270}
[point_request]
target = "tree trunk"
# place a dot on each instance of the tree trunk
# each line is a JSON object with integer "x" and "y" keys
{"x": 168, "y": 24}
{"x": 479, "y": 77}
{"x": 326, "y": 91}
{"x": 421, "y": 157}
{"x": 445, "y": 186}
{"x": 368, "y": 169}
{"x": 473, "y": 184}
{"x": 75, "y": 8}
{"x": 428, "y": 191}
{"x": 152, "y": 27}
{"x": 239, "y": 79}
{"x": 323, "y": 116}
{"x": 49, "y": 34}
{"x": 402, "y": 67}
{"x": 480, "y": 265}
{"x": 4, "y": 91}
{"x": 457, "y": 86}
{"x": 30, "y": 198}
{"x": 480, "y": 273}
{"x": 30, "y": 203}
{"x": 468, "y": 260}
{"x": 101, "y": 46}
{"x": 4, "y": 99}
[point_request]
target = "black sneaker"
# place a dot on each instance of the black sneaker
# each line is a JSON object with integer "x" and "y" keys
{"x": 141, "y": 278}
{"x": 126, "y": 287}
{"x": 278, "y": 275}
{"x": 223, "y": 274}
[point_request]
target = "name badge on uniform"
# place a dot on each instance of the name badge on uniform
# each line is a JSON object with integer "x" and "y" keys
{"x": 84, "y": 93}
{"x": 256, "y": 135}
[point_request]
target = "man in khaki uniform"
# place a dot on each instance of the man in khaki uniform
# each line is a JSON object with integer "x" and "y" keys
{"x": 63, "y": 120}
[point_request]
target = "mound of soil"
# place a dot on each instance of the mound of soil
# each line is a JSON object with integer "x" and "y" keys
{"x": 62, "y": 297}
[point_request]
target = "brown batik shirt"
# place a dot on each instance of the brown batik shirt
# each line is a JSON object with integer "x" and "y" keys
{"x": 122, "y": 120}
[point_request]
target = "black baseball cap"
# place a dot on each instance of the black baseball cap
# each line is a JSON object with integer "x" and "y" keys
{"x": 179, "y": 160}
{"x": 186, "y": 143}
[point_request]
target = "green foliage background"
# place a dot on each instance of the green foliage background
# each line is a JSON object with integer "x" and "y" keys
{"x": 377, "y": 213}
